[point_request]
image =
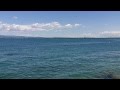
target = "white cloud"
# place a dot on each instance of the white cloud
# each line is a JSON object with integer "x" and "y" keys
{"x": 110, "y": 33}
{"x": 15, "y": 17}
{"x": 102, "y": 34}
{"x": 36, "y": 26}
{"x": 72, "y": 26}
{"x": 68, "y": 26}
{"x": 27, "y": 28}
{"x": 76, "y": 25}
{"x": 46, "y": 26}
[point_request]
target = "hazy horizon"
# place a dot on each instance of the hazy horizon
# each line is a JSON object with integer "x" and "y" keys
{"x": 51, "y": 37}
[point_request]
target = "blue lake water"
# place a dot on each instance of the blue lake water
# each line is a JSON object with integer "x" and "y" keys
{"x": 59, "y": 58}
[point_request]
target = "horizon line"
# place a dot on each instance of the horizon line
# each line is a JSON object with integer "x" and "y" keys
{"x": 50, "y": 37}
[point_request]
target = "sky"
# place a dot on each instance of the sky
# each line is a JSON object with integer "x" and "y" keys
{"x": 60, "y": 23}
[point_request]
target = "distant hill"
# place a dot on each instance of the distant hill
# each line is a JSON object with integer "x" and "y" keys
{"x": 8, "y": 36}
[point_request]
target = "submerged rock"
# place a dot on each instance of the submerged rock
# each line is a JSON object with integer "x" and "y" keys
{"x": 109, "y": 75}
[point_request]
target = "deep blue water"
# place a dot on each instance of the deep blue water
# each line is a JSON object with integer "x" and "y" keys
{"x": 59, "y": 58}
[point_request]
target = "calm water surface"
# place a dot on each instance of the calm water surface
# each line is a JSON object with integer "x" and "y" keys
{"x": 59, "y": 58}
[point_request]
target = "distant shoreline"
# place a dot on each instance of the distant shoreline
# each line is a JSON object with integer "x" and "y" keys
{"x": 7, "y": 36}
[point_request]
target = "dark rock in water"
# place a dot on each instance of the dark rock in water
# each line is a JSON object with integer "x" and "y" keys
{"x": 109, "y": 76}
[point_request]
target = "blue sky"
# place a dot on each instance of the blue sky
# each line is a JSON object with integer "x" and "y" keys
{"x": 60, "y": 23}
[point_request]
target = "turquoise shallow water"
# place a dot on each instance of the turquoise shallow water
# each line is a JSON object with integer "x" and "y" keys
{"x": 59, "y": 58}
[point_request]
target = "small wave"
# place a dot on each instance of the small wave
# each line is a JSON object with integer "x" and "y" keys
{"x": 11, "y": 54}
{"x": 85, "y": 43}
